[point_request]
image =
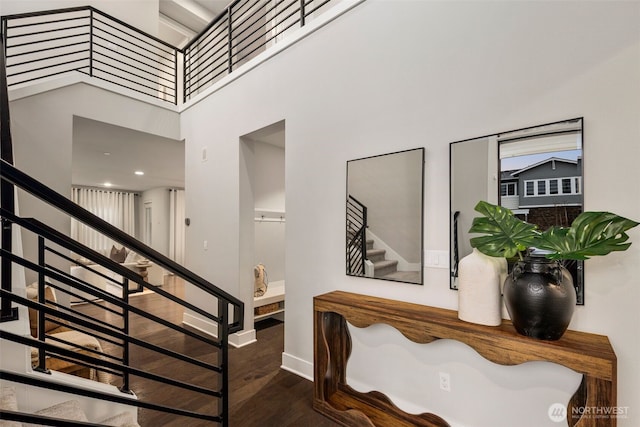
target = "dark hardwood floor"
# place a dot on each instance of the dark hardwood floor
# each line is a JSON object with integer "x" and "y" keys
{"x": 261, "y": 394}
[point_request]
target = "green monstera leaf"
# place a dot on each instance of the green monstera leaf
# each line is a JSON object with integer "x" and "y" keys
{"x": 505, "y": 235}
{"x": 590, "y": 234}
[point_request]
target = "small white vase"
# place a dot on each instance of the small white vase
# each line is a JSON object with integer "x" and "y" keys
{"x": 479, "y": 288}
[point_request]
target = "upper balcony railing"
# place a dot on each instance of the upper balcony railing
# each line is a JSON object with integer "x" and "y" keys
{"x": 41, "y": 45}
{"x": 45, "y": 44}
{"x": 244, "y": 30}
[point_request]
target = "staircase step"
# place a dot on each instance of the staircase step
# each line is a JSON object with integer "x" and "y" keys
{"x": 369, "y": 243}
{"x": 382, "y": 268}
{"x": 375, "y": 255}
{"x": 69, "y": 410}
{"x": 123, "y": 419}
{"x": 8, "y": 400}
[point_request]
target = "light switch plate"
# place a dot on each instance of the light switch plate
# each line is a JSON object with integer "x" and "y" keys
{"x": 436, "y": 259}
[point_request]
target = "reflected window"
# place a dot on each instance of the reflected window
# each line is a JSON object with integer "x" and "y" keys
{"x": 529, "y": 185}
{"x": 509, "y": 189}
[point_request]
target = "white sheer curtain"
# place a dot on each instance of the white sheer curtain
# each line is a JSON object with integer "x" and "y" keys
{"x": 177, "y": 227}
{"x": 115, "y": 207}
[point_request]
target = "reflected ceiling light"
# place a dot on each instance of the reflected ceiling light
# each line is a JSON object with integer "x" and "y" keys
{"x": 107, "y": 184}
{"x": 139, "y": 173}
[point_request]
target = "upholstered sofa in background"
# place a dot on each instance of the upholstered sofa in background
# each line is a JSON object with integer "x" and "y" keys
{"x": 151, "y": 273}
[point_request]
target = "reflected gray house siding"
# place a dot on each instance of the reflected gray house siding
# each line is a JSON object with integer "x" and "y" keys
{"x": 553, "y": 182}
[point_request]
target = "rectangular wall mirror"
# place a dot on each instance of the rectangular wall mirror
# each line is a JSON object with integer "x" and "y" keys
{"x": 536, "y": 172}
{"x": 384, "y": 216}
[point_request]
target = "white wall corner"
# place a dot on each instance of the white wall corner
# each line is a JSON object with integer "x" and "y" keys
{"x": 298, "y": 366}
{"x": 242, "y": 338}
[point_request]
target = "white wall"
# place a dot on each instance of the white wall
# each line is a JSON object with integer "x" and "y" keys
{"x": 158, "y": 198}
{"x": 269, "y": 191}
{"x": 269, "y": 194}
{"x": 389, "y": 76}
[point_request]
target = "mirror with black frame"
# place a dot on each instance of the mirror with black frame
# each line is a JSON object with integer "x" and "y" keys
{"x": 384, "y": 235}
{"x": 536, "y": 172}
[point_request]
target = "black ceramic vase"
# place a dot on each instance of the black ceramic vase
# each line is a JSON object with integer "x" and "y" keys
{"x": 540, "y": 298}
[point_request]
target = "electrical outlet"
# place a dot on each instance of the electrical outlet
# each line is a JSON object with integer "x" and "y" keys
{"x": 205, "y": 245}
{"x": 445, "y": 381}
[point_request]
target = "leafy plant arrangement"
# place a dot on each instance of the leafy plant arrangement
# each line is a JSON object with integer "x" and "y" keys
{"x": 590, "y": 234}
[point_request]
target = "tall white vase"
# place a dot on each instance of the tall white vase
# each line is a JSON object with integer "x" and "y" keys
{"x": 479, "y": 288}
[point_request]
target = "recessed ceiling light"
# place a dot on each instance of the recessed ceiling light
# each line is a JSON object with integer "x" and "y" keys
{"x": 139, "y": 173}
{"x": 106, "y": 153}
{"x": 107, "y": 184}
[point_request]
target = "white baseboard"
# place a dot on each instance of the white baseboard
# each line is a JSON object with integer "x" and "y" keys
{"x": 237, "y": 340}
{"x": 200, "y": 324}
{"x": 297, "y": 366}
{"x": 242, "y": 338}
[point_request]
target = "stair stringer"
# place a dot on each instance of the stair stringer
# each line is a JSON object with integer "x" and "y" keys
{"x": 33, "y": 398}
{"x": 16, "y": 357}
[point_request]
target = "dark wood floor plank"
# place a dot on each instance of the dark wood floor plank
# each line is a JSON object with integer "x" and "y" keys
{"x": 261, "y": 393}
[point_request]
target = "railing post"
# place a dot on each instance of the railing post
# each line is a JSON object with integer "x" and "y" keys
{"x": 363, "y": 246}
{"x": 185, "y": 55}
{"x": 90, "y": 42}
{"x": 302, "y": 13}
{"x": 223, "y": 336}
{"x": 230, "y": 42}
{"x": 7, "y": 313}
{"x": 125, "y": 330}
{"x": 42, "y": 356}
{"x": 175, "y": 76}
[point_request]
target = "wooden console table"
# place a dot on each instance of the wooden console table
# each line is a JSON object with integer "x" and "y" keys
{"x": 589, "y": 354}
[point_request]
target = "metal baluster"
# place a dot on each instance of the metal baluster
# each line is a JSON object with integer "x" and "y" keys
{"x": 175, "y": 76}
{"x": 90, "y": 42}
{"x": 230, "y": 44}
{"x": 8, "y": 198}
{"x": 223, "y": 336}
{"x": 125, "y": 330}
{"x": 42, "y": 362}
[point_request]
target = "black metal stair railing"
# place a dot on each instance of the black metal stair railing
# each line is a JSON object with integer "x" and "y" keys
{"x": 356, "y": 237}
{"x": 52, "y": 246}
{"x": 113, "y": 354}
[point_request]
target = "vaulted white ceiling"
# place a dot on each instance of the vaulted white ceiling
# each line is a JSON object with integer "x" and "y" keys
{"x": 181, "y": 20}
